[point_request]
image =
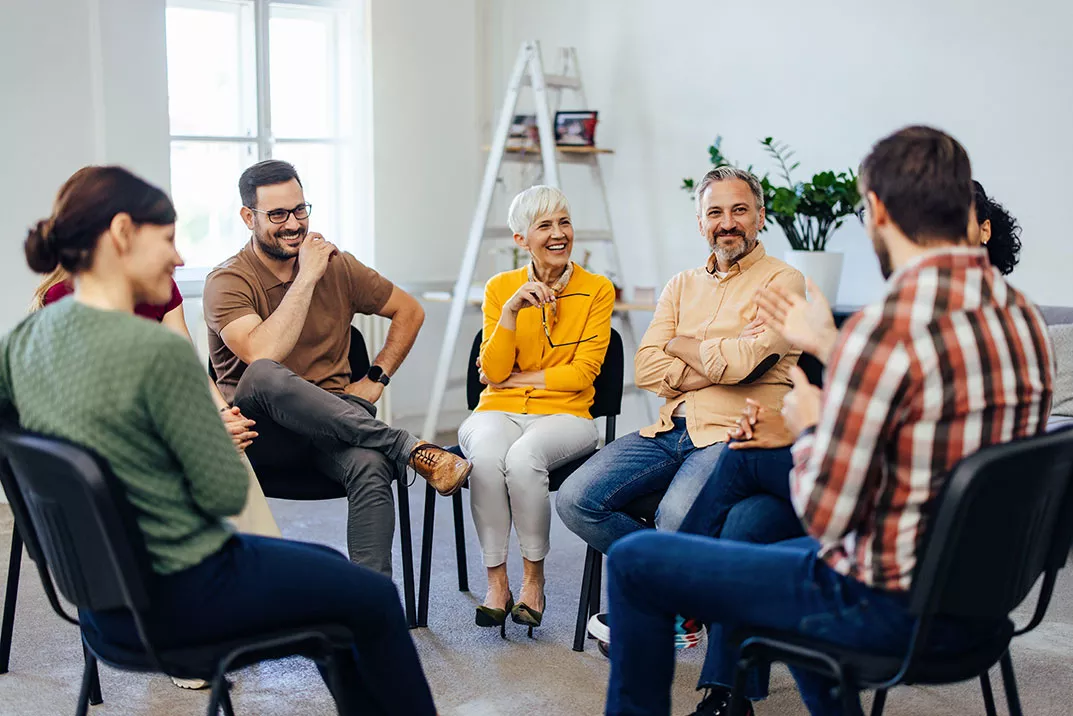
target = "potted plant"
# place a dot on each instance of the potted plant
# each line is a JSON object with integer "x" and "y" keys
{"x": 808, "y": 212}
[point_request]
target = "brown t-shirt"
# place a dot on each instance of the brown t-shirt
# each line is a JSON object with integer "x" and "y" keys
{"x": 243, "y": 285}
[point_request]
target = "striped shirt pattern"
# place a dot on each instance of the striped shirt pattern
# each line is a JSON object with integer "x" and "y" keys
{"x": 951, "y": 360}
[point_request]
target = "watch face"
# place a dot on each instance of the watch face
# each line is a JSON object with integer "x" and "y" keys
{"x": 375, "y": 372}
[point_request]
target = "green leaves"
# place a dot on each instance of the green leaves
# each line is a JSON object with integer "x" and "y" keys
{"x": 808, "y": 212}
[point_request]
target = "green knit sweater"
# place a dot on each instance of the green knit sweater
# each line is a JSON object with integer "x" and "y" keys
{"x": 136, "y": 393}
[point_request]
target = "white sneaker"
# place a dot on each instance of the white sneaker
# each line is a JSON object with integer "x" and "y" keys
{"x": 599, "y": 628}
{"x": 193, "y": 684}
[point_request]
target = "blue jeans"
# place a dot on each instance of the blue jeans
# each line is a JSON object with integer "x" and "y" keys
{"x": 257, "y": 584}
{"x": 652, "y": 576}
{"x": 747, "y": 499}
{"x": 591, "y": 501}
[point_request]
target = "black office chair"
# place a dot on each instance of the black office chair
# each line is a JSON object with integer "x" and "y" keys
{"x": 1003, "y": 520}
{"x": 79, "y": 527}
{"x": 607, "y": 404}
{"x": 281, "y": 483}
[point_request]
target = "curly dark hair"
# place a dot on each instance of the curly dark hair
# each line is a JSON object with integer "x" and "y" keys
{"x": 1004, "y": 248}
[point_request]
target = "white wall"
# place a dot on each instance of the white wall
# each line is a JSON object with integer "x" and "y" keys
{"x": 83, "y": 82}
{"x": 829, "y": 77}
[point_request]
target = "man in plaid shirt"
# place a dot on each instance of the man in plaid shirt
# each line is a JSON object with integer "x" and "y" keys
{"x": 952, "y": 359}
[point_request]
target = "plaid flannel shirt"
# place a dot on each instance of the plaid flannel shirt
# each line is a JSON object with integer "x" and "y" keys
{"x": 951, "y": 360}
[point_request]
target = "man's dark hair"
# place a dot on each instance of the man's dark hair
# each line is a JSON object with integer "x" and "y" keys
{"x": 266, "y": 173}
{"x": 923, "y": 176}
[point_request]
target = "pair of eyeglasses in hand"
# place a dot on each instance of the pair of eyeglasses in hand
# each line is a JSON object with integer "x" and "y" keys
{"x": 547, "y": 331}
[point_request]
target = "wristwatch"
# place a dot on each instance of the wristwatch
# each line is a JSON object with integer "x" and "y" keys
{"x": 377, "y": 375}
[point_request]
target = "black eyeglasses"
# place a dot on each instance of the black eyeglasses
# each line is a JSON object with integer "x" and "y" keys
{"x": 544, "y": 322}
{"x": 280, "y": 216}
{"x": 860, "y": 209}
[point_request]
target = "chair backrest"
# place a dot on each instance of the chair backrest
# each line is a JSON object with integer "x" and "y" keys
{"x": 358, "y": 356}
{"x": 608, "y": 384}
{"x": 76, "y": 518}
{"x": 1002, "y": 520}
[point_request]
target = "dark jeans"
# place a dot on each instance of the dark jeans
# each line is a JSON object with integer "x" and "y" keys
{"x": 258, "y": 584}
{"x": 652, "y": 576}
{"x": 303, "y": 427}
{"x": 746, "y": 499}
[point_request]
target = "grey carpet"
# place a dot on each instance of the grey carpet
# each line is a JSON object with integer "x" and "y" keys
{"x": 472, "y": 671}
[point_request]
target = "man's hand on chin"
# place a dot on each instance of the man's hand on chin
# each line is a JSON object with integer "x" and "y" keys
{"x": 366, "y": 389}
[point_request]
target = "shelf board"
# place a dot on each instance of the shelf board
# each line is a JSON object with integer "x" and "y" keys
{"x": 566, "y": 155}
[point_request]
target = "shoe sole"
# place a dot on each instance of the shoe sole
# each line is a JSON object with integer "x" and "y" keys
{"x": 598, "y": 630}
{"x": 456, "y": 488}
{"x": 190, "y": 684}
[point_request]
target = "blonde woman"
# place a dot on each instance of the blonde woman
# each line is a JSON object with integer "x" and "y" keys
{"x": 546, "y": 330}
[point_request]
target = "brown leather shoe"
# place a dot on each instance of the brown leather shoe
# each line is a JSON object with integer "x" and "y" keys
{"x": 445, "y": 471}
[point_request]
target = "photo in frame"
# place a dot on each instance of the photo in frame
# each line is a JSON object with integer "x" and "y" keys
{"x": 575, "y": 129}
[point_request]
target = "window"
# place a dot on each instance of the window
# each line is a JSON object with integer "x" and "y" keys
{"x": 250, "y": 80}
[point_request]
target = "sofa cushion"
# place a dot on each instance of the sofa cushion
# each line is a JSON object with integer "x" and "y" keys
{"x": 1056, "y": 315}
{"x": 1062, "y": 338}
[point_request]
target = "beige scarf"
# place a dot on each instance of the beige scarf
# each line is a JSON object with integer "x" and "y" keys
{"x": 557, "y": 287}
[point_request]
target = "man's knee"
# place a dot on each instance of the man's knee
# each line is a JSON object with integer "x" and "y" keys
{"x": 629, "y": 554}
{"x": 672, "y": 512}
{"x": 364, "y": 469}
{"x": 262, "y": 377}
{"x": 578, "y": 496}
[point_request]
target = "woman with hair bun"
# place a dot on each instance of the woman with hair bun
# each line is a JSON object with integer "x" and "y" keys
{"x": 115, "y": 234}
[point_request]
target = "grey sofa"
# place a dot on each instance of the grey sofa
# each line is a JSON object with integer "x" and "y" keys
{"x": 1060, "y": 322}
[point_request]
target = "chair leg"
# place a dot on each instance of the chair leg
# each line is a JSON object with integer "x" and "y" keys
{"x": 989, "y": 696}
{"x": 879, "y": 702}
{"x": 460, "y": 542}
{"x": 584, "y": 601}
{"x": 1009, "y": 681}
{"x": 737, "y": 696}
{"x": 407, "y": 546}
{"x": 84, "y": 691}
{"x": 95, "y": 697}
{"x": 597, "y": 583}
{"x": 14, "y": 564}
{"x": 225, "y": 699}
{"x": 427, "y": 531}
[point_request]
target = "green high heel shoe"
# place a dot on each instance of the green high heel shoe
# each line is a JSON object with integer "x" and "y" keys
{"x": 491, "y": 617}
{"x": 525, "y": 615}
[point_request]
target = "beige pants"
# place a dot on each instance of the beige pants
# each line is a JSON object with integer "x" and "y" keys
{"x": 511, "y": 456}
{"x": 255, "y": 518}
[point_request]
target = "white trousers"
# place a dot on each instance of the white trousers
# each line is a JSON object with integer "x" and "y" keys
{"x": 511, "y": 456}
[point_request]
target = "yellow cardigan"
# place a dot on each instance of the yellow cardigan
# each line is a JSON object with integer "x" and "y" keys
{"x": 569, "y": 371}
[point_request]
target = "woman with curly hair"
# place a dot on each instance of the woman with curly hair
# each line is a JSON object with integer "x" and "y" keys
{"x": 999, "y": 231}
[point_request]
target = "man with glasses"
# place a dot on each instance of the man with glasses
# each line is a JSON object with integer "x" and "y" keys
{"x": 706, "y": 354}
{"x": 279, "y": 315}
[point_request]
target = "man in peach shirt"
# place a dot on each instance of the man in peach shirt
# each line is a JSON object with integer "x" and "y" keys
{"x": 705, "y": 354}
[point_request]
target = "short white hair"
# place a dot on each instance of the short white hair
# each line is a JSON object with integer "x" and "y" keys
{"x": 533, "y": 203}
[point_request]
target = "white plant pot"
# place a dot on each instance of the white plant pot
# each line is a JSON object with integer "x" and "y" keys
{"x": 823, "y": 267}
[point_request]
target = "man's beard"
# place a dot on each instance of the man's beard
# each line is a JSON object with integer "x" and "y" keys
{"x": 885, "y": 266}
{"x": 273, "y": 247}
{"x": 731, "y": 255}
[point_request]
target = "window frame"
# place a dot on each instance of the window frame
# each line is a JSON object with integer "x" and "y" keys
{"x": 349, "y": 15}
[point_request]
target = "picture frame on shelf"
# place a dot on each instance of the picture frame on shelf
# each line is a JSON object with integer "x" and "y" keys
{"x": 575, "y": 128}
